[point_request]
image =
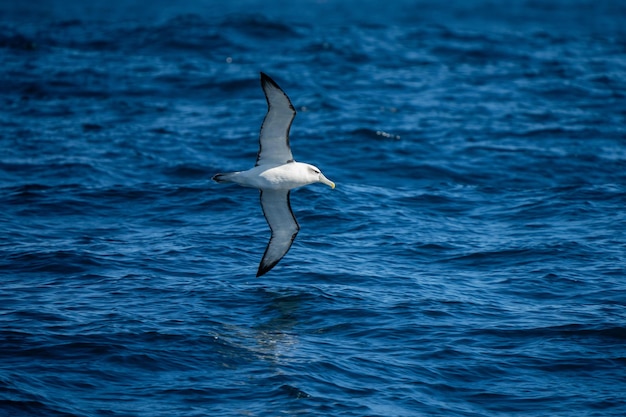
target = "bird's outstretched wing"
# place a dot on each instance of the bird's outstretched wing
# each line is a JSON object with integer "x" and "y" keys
{"x": 284, "y": 226}
{"x": 274, "y": 137}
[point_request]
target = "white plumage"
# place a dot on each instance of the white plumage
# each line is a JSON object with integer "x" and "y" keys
{"x": 276, "y": 173}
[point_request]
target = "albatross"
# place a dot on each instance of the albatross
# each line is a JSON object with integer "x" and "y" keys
{"x": 275, "y": 174}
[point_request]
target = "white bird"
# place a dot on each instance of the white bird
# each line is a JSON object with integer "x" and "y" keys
{"x": 275, "y": 174}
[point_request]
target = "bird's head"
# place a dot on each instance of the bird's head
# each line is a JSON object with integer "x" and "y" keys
{"x": 317, "y": 176}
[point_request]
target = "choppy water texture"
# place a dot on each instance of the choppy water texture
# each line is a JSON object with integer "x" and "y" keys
{"x": 470, "y": 262}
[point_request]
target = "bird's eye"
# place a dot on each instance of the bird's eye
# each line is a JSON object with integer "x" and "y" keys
{"x": 316, "y": 171}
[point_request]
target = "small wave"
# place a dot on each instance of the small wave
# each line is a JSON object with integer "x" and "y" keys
{"x": 12, "y": 39}
{"x": 571, "y": 331}
{"x": 54, "y": 261}
{"x": 258, "y": 26}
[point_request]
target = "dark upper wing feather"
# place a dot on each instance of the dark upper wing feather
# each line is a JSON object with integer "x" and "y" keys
{"x": 274, "y": 137}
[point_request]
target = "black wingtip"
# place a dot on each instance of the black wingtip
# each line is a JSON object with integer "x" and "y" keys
{"x": 266, "y": 79}
{"x": 263, "y": 269}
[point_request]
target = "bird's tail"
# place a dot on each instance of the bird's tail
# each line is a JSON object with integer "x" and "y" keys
{"x": 225, "y": 177}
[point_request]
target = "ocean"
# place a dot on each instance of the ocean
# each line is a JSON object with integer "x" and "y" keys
{"x": 470, "y": 262}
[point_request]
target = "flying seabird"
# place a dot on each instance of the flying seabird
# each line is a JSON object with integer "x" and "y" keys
{"x": 276, "y": 173}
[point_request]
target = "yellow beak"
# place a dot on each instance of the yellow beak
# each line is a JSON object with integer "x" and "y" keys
{"x": 326, "y": 181}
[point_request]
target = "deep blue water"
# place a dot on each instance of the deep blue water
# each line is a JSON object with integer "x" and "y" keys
{"x": 470, "y": 262}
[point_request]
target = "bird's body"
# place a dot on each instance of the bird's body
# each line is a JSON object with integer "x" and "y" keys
{"x": 275, "y": 177}
{"x": 275, "y": 174}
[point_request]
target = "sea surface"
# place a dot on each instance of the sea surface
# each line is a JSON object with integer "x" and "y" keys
{"x": 470, "y": 262}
